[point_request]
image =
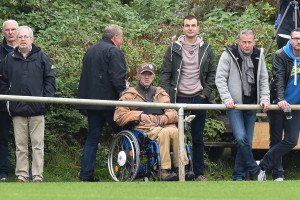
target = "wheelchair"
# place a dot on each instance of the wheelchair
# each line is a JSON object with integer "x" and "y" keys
{"x": 132, "y": 155}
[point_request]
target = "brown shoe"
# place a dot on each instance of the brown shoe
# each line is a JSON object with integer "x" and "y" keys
{"x": 37, "y": 179}
{"x": 167, "y": 176}
{"x": 21, "y": 179}
{"x": 200, "y": 178}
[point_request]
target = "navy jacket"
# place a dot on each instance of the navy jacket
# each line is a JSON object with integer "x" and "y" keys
{"x": 3, "y": 53}
{"x": 103, "y": 74}
{"x": 31, "y": 76}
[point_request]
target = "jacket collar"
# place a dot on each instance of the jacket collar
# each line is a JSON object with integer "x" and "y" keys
{"x": 106, "y": 39}
{"x": 33, "y": 50}
{"x": 233, "y": 51}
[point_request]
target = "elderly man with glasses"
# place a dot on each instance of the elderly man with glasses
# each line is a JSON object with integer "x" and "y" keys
{"x": 28, "y": 71}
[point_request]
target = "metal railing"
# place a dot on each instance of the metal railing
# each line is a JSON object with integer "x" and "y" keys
{"x": 178, "y": 106}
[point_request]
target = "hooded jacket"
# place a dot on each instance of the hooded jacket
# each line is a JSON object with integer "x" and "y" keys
{"x": 31, "y": 76}
{"x": 172, "y": 64}
{"x": 124, "y": 115}
{"x": 229, "y": 81}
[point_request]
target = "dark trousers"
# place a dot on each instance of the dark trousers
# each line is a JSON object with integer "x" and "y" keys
{"x": 278, "y": 146}
{"x": 197, "y": 128}
{"x": 5, "y": 121}
{"x": 96, "y": 122}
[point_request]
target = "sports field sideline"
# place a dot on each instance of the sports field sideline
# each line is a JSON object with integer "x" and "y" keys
{"x": 152, "y": 190}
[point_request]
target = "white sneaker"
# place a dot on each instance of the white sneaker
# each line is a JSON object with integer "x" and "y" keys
{"x": 278, "y": 179}
{"x": 262, "y": 176}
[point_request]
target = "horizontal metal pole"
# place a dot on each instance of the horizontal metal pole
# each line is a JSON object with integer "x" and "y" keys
{"x": 75, "y": 101}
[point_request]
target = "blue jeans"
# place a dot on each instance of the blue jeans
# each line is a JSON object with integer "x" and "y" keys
{"x": 96, "y": 122}
{"x": 242, "y": 125}
{"x": 197, "y": 128}
{"x": 5, "y": 121}
{"x": 278, "y": 146}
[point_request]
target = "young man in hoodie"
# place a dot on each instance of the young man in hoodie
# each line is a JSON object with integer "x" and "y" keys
{"x": 10, "y": 41}
{"x": 285, "y": 90}
{"x": 242, "y": 78}
{"x": 188, "y": 76}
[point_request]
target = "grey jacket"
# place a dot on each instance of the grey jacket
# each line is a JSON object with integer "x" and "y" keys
{"x": 229, "y": 82}
{"x": 171, "y": 69}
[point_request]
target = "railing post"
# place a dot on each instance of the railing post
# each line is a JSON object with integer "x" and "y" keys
{"x": 181, "y": 144}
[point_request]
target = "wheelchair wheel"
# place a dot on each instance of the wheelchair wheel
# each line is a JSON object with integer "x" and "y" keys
{"x": 124, "y": 157}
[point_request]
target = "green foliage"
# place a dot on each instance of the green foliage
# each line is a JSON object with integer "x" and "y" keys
{"x": 266, "y": 10}
{"x": 213, "y": 129}
{"x": 222, "y": 28}
{"x": 160, "y": 10}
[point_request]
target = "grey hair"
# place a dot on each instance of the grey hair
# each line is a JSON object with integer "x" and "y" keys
{"x": 111, "y": 30}
{"x": 245, "y": 32}
{"x": 27, "y": 28}
{"x": 10, "y": 21}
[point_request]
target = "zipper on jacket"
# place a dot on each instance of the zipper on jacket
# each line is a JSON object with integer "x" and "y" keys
{"x": 179, "y": 70}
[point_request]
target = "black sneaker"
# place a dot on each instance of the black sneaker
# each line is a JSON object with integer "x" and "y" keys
{"x": 3, "y": 177}
{"x": 90, "y": 179}
{"x": 189, "y": 176}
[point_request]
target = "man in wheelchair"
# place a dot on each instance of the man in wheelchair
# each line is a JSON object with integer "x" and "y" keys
{"x": 157, "y": 123}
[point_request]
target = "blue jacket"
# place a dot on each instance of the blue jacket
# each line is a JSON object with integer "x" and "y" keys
{"x": 3, "y": 52}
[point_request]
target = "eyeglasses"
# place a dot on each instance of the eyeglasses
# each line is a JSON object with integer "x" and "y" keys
{"x": 296, "y": 39}
{"x": 23, "y": 36}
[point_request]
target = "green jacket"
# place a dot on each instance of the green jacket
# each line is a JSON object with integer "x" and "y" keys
{"x": 171, "y": 68}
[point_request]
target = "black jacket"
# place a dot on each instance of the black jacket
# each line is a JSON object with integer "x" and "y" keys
{"x": 33, "y": 76}
{"x": 282, "y": 68}
{"x": 103, "y": 74}
{"x": 172, "y": 64}
{"x": 3, "y": 53}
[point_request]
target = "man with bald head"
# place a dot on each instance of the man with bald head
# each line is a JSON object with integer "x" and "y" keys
{"x": 9, "y": 43}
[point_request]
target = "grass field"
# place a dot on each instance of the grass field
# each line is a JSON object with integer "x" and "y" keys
{"x": 152, "y": 190}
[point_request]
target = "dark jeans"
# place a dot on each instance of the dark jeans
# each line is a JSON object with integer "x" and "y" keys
{"x": 197, "y": 128}
{"x": 96, "y": 122}
{"x": 5, "y": 121}
{"x": 278, "y": 146}
{"x": 242, "y": 125}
